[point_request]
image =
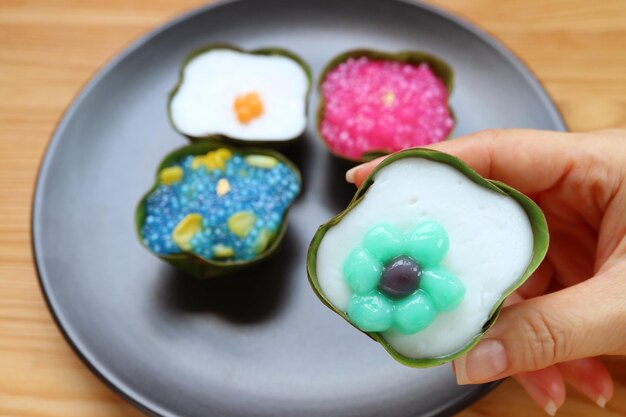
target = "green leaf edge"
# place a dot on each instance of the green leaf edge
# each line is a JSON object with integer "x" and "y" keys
{"x": 193, "y": 264}
{"x": 438, "y": 66}
{"x": 535, "y": 215}
{"x": 267, "y": 51}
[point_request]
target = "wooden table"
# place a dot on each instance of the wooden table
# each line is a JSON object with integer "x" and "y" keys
{"x": 48, "y": 50}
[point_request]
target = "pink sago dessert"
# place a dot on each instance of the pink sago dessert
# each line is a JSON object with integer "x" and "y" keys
{"x": 382, "y": 105}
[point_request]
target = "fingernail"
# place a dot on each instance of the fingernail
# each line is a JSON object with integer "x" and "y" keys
{"x": 544, "y": 397}
{"x": 601, "y": 401}
{"x": 350, "y": 175}
{"x": 483, "y": 363}
{"x": 550, "y": 408}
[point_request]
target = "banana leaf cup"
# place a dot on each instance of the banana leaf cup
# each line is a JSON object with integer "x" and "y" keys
{"x": 438, "y": 69}
{"x": 209, "y": 183}
{"x": 351, "y": 281}
{"x": 248, "y": 106}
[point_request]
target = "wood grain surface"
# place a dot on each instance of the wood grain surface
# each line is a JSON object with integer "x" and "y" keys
{"x": 50, "y": 48}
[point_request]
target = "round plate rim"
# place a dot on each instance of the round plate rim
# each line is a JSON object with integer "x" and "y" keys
{"x": 130, "y": 395}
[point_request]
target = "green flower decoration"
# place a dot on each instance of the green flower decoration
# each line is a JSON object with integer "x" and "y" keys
{"x": 397, "y": 281}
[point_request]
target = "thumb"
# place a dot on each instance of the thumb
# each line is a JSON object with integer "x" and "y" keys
{"x": 585, "y": 320}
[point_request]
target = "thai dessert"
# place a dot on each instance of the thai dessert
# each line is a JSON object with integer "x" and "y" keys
{"x": 374, "y": 103}
{"x": 217, "y": 208}
{"x": 258, "y": 96}
{"x": 425, "y": 254}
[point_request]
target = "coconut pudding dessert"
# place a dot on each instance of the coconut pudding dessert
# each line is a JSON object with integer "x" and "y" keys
{"x": 423, "y": 266}
{"x": 257, "y": 96}
{"x": 374, "y": 103}
{"x": 215, "y": 209}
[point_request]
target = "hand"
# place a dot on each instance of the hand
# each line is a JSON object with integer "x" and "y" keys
{"x": 573, "y": 308}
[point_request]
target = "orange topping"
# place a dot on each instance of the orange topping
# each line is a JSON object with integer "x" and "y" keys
{"x": 248, "y": 106}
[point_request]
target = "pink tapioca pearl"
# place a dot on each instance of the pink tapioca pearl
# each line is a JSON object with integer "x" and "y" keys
{"x": 377, "y": 104}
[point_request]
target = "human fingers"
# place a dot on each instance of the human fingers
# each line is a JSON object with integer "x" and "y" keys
{"x": 572, "y": 247}
{"x": 535, "y": 286}
{"x": 356, "y": 175}
{"x": 529, "y": 160}
{"x": 538, "y": 282}
{"x": 545, "y": 386}
{"x": 588, "y": 319}
{"x": 590, "y": 377}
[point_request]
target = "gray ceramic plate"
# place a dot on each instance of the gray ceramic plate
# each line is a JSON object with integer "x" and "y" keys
{"x": 259, "y": 343}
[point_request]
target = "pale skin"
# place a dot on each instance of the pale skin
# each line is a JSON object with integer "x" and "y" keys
{"x": 573, "y": 308}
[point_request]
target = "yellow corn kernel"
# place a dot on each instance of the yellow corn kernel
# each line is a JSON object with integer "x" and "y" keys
{"x": 389, "y": 98}
{"x": 241, "y": 223}
{"x": 171, "y": 175}
{"x": 261, "y": 161}
{"x": 222, "y": 187}
{"x": 212, "y": 163}
{"x": 198, "y": 161}
{"x": 262, "y": 240}
{"x": 186, "y": 229}
{"x": 223, "y": 153}
{"x": 222, "y": 251}
{"x": 212, "y": 160}
{"x": 217, "y": 159}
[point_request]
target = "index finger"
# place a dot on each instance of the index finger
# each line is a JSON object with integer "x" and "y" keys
{"x": 528, "y": 160}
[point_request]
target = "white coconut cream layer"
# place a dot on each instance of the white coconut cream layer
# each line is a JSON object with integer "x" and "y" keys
{"x": 491, "y": 244}
{"x": 204, "y": 103}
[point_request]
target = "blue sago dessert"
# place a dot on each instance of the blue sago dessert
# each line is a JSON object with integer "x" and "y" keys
{"x": 215, "y": 208}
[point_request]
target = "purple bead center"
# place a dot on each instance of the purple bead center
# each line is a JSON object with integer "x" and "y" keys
{"x": 400, "y": 277}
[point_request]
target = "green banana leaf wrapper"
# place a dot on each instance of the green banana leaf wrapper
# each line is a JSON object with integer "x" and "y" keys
{"x": 191, "y": 263}
{"x": 269, "y": 51}
{"x": 535, "y": 216}
{"x": 441, "y": 69}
